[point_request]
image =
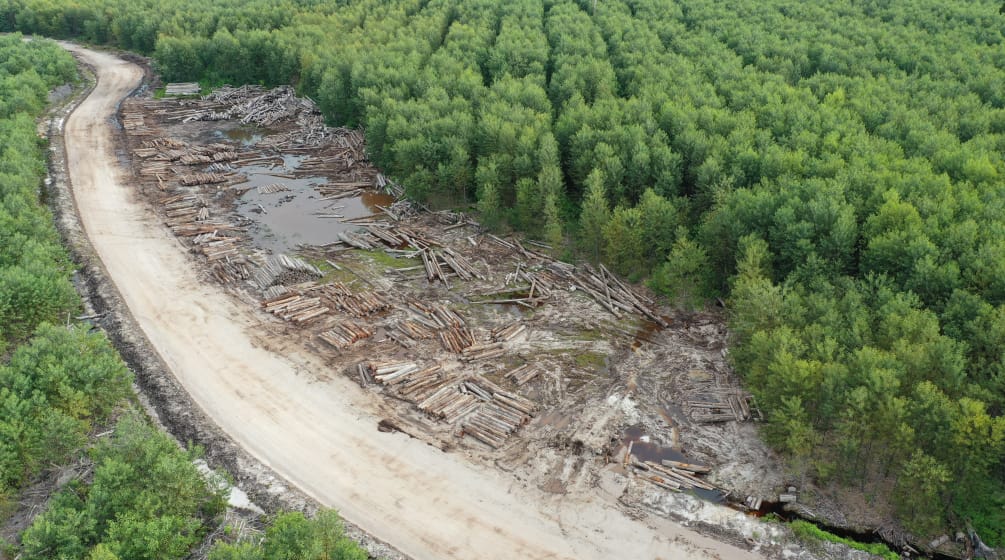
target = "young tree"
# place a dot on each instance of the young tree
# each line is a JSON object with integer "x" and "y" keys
{"x": 685, "y": 274}
{"x": 552, "y": 223}
{"x": 594, "y": 217}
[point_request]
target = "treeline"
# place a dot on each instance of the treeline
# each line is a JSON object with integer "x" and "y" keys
{"x": 835, "y": 170}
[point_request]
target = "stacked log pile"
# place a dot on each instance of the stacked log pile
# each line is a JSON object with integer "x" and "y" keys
{"x": 181, "y": 208}
{"x": 284, "y": 269}
{"x": 449, "y": 404}
{"x": 711, "y": 398}
{"x": 295, "y": 307}
{"x": 502, "y": 414}
{"x": 476, "y": 352}
{"x": 344, "y": 334}
{"x": 196, "y": 179}
{"x": 187, "y": 216}
{"x": 508, "y": 332}
{"x": 420, "y": 385}
{"x": 229, "y": 271}
{"x": 359, "y": 305}
{"x": 408, "y": 331}
{"x": 217, "y": 247}
{"x": 523, "y": 374}
{"x": 438, "y": 264}
{"x": 456, "y": 338}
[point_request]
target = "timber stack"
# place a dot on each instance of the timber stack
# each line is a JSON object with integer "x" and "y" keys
{"x": 295, "y": 307}
{"x": 344, "y": 334}
{"x": 287, "y": 270}
{"x": 358, "y": 305}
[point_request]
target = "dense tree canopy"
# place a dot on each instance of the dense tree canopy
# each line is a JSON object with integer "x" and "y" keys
{"x": 834, "y": 169}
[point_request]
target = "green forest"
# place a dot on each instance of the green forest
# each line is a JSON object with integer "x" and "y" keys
{"x": 832, "y": 171}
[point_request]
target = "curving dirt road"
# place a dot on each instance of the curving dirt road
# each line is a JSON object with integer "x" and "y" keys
{"x": 320, "y": 437}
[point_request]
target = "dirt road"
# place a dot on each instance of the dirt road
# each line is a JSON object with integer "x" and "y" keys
{"x": 319, "y": 436}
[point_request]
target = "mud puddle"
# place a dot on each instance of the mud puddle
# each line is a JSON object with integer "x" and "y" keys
{"x": 247, "y": 136}
{"x": 294, "y": 213}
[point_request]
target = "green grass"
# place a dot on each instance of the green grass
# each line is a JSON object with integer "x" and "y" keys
{"x": 590, "y": 360}
{"x": 808, "y": 531}
{"x": 384, "y": 259}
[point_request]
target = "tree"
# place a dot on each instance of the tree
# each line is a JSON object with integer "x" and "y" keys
{"x": 291, "y": 537}
{"x": 594, "y": 217}
{"x": 552, "y": 232}
{"x": 920, "y": 494}
{"x": 684, "y": 276}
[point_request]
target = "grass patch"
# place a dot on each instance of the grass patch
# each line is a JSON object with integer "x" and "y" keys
{"x": 808, "y": 531}
{"x": 384, "y": 259}
{"x": 590, "y": 360}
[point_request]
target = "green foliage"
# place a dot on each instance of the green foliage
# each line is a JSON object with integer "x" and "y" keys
{"x": 147, "y": 501}
{"x": 684, "y": 276}
{"x": 922, "y": 482}
{"x": 594, "y": 218}
{"x": 808, "y": 531}
{"x": 291, "y": 536}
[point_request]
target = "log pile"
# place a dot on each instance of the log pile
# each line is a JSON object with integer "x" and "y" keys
{"x": 228, "y": 271}
{"x": 355, "y": 240}
{"x": 196, "y": 179}
{"x": 295, "y": 307}
{"x": 421, "y": 384}
{"x": 671, "y": 475}
{"x": 408, "y": 331}
{"x": 614, "y": 294}
{"x": 411, "y": 383}
{"x": 273, "y": 188}
{"x": 523, "y": 374}
{"x": 182, "y": 88}
{"x": 388, "y": 372}
{"x": 134, "y": 122}
{"x": 359, "y": 305}
{"x": 460, "y": 265}
{"x": 344, "y": 334}
{"x": 456, "y": 338}
{"x": 200, "y": 228}
{"x": 449, "y": 404}
{"x": 720, "y": 406}
{"x": 475, "y": 352}
{"x": 181, "y": 208}
{"x": 389, "y": 186}
{"x": 502, "y": 414}
{"x": 216, "y": 248}
{"x": 387, "y": 235}
{"x": 284, "y": 269}
{"x": 508, "y": 332}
